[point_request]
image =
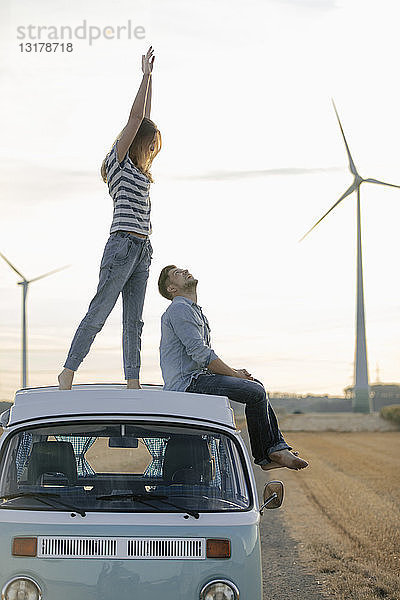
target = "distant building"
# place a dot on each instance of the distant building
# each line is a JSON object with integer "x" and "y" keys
{"x": 381, "y": 394}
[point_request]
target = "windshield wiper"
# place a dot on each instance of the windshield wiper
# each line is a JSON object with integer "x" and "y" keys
{"x": 41, "y": 497}
{"x": 143, "y": 497}
{"x": 221, "y": 500}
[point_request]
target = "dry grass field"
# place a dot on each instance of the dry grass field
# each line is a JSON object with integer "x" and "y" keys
{"x": 118, "y": 460}
{"x": 350, "y": 422}
{"x": 344, "y": 511}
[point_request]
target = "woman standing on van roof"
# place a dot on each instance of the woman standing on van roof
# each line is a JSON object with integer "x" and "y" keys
{"x": 127, "y": 255}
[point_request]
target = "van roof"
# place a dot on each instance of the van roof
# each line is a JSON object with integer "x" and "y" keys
{"x": 32, "y": 404}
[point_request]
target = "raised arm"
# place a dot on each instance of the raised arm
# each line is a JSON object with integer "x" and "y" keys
{"x": 138, "y": 107}
{"x": 148, "y": 100}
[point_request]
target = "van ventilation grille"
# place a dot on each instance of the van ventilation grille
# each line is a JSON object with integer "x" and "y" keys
{"x": 65, "y": 547}
{"x": 165, "y": 548}
{"x": 121, "y": 548}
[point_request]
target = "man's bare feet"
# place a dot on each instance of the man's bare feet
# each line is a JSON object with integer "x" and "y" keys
{"x": 271, "y": 465}
{"x": 285, "y": 458}
{"x": 275, "y": 465}
{"x": 133, "y": 384}
{"x": 65, "y": 379}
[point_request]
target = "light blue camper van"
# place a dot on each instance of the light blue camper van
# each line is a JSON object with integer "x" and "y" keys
{"x": 116, "y": 494}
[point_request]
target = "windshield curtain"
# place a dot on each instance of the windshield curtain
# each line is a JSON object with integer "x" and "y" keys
{"x": 124, "y": 467}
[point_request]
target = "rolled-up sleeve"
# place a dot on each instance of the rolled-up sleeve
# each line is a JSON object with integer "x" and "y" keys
{"x": 190, "y": 333}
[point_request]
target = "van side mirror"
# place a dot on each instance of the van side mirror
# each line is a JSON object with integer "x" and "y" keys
{"x": 272, "y": 495}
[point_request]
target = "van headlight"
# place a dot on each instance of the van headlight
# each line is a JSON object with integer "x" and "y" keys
{"x": 21, "y": 588}
{"x": 219, "y": 590}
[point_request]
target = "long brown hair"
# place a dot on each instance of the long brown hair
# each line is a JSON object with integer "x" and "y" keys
{"x": 139, "y": 150}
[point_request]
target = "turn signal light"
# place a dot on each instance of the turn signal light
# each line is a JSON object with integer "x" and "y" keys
{"x": 24, "y": 546}
{"x": 218, "y": 548}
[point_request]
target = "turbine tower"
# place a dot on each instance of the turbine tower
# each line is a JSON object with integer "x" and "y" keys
{"x": 361, "y": 401}
{"x": 25, "y": 283}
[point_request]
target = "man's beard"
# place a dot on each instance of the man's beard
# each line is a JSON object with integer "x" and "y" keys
{"x": 191, "y": 283}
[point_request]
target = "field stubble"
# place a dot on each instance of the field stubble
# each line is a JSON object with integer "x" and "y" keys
{"x": 344, "y": 511}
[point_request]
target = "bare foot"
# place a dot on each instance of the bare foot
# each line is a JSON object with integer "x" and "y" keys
{"x": 133, "y": 384}
{"x": 275, "y": 465}
{"x": 65, "y": 379}
{"x": 285, "y": 458}
{"x": 271, "y": 465}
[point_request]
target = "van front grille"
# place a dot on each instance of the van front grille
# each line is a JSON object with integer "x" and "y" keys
{"x": 121, "y": 548}
{"x": 65, "y": 547}
{"x": 166, "y": 548}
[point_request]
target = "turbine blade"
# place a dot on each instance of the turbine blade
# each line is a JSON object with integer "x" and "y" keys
{"x": 49, "y": 273}
{"x": 12, "y": 266}
{"x": 381, "y": 182}
{"x": 351, "y": 162}
{"x": 347, "y": 193}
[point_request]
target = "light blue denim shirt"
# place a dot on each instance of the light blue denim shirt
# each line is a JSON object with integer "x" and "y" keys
{"x": 185, "y": 350}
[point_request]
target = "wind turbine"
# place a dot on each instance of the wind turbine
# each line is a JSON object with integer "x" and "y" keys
{"x": 361, "y": 401}
{"x": 25, "y": 283}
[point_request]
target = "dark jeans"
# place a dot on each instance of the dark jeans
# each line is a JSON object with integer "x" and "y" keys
{"x": 264, "y": 433}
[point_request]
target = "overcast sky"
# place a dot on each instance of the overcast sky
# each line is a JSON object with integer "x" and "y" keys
{"x": 252, "y": 156}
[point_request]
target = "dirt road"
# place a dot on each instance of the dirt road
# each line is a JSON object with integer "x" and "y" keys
{"x": 284, "y": 575}
{"x": 344, "y": 510}
{"x": 341, "y": 518}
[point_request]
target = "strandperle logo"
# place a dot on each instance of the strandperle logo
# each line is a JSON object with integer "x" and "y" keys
{"x": 84, "y": 31}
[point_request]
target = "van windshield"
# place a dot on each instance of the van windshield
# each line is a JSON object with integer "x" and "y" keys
{"x": 123, "y": 467}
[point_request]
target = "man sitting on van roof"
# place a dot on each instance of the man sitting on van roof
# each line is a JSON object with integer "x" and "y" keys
{"x": 189, "y": 364}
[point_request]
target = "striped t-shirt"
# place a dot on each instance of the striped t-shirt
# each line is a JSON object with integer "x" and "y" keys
{"x": 129, "y": 189}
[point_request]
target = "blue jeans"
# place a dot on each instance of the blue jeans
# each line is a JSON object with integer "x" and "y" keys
{"x": 124, "y": 268}
{"x": 262, "y": 425}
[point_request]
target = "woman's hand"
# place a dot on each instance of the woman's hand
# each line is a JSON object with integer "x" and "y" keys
{"x": 148, "y": 61}
{"x": 140, "y": 107}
